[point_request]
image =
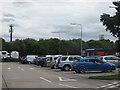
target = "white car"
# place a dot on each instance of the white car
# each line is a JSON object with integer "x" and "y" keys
{"x": 111, "y": 59}
{"x": 30, "y": 58}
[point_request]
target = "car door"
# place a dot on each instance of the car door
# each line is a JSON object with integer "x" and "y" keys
{"x": 116, "y": 61}
{"x": 88, "y": 64}
{"x": 99, "y": 65}
{"x": 93, "y": 65}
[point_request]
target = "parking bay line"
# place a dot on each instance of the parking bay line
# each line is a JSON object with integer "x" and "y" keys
{"x": 66, "y": 79}
{"x": 45, "y": 79}
{"x": 9, "y": 68}
{"x": 32, "y": 68}
{"x": 21, "y": 68}
{"x": 68, "y": 86}
{"x": 109, "y": 85}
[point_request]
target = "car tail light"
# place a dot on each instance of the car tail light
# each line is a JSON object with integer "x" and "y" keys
{"x": 50, "y": 60}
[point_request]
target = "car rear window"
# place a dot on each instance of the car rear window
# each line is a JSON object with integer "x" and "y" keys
{"x": 55, "y": 58}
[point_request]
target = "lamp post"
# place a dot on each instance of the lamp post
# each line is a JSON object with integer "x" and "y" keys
{"x": 59, "y": 40}
{"x": 81, "y": 34}
{"x": 11, "y": 31}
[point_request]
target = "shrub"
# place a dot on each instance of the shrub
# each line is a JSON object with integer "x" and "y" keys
{"x": 9, "y": 59}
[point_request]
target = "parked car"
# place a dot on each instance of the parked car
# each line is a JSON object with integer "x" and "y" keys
{"x": 34, "y": 61}
{"x": 23, "y": 60}
{"x": 92, "y": 64}
{"x": 112, "y": 59}
{"x": 30, "y": 58}
{"x": 65, "y": 62}
{"x": 51, "y": 60}
{"x": 41, "y": 61}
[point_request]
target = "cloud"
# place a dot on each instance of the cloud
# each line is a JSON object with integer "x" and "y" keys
{"x": 38, "y": 18}
{"x": 22, "y": 4}
{"x": 8, "y": 15}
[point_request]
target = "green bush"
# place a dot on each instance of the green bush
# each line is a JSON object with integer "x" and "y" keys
{"x": 9, "y": 59}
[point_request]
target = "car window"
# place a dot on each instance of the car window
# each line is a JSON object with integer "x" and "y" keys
{"x": 94, "y": 61}
{"x": 71, "y": 58}
{"x": 63, "y": 58}
{"x": 55, "y": 58}
{"x": 107, "y": 58}
{"x": 86, "y": 61}
{"x": 115, "y": 58}
{"x": 50, "y": 58}
{"x": 77, "y": 58}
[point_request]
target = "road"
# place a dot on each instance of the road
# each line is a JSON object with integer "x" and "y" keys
{"x": 16, "y": 75}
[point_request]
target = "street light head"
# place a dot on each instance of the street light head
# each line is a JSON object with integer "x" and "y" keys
{"x": 72, "y": 23}
{"x": 10, "y": 25}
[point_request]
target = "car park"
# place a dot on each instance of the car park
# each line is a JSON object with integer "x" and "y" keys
{"x": 65, "y": 62}
{"x": 112, "y": 59}
{"x": 93, "y": 64}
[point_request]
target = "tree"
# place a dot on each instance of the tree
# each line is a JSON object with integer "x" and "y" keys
{"x": 112, "y": 23}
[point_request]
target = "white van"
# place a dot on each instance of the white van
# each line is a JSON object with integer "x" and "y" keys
{"x": 30, "y": 58}
{"x": 15, "y": 54}
{"x": 4, "y": 54}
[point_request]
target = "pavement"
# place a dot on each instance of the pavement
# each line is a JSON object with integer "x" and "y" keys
{"x": 16, "y": 75}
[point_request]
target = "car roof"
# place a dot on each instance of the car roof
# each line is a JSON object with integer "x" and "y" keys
{"x": 108, "y": 56}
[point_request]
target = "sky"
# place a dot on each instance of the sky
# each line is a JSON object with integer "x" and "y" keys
{"x": 46, "y": 19}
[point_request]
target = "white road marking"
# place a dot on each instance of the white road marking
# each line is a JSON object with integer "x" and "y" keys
{"x": 9, "y": 68}
{"x": 45, "y": 79}
{"x": 32, "y": 68}
{"x": 21, "y": 68}
{"x": 114, "y": 84}
{"x": 66, "y": 79}
{"x": 68, "y": 86}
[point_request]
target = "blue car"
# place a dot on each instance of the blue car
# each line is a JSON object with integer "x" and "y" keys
{"x": 92, "y": 64}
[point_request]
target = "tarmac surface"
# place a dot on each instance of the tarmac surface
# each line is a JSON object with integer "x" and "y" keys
{"x": 16, "y": 75}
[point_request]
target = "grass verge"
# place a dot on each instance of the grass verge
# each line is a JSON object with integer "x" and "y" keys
{"x": 106, "y": 77}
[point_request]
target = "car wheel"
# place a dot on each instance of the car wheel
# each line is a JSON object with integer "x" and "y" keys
{"x": 82, "y": 70}
{"x": 29, "y": 63}
{"x": 53, "y": 67}
{"x": 66, "y": 68}
{"x": 109, "y": 69}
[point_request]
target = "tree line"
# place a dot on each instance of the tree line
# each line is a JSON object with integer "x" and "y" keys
{"x": 54, "y": 46}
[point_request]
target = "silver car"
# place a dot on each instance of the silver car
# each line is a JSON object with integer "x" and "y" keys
{"x": 65, "y": 62}
{"x": 51, "y": 60}
{"x": 111, "y": 59}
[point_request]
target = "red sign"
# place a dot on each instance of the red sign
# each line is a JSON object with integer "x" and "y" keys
{"x": 100, "y": 53}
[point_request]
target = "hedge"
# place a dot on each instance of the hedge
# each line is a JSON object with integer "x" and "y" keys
{"x": 9, "y": 59}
